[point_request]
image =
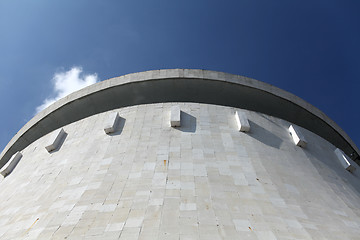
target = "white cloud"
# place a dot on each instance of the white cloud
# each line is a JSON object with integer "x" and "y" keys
{"x": 65, "y": 83}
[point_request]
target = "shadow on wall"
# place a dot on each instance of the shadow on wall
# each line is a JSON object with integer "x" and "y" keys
{"x": 188, "y": 123}
{"x": 264, "y": 136}
{"x": 326, "y": 164}
{"x": 119, "y": 127}
{"x": 269, "y": 119}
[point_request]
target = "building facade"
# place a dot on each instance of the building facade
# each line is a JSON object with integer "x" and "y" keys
{"x": 180, "y": 154}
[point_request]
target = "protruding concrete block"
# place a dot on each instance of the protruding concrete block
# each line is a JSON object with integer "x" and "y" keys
{"x": 11, "y": 164}
{"x": 55, "y": 139}
{"x": 297, "y": 136}
{"x": 175, "y": 116}
{"x": 345, "y": 161}
{"x": 111, "y": 123}
{"x": 242, "y": 121}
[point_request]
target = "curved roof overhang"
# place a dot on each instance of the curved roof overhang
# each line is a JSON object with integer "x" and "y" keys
{"x": 179, "y": 85}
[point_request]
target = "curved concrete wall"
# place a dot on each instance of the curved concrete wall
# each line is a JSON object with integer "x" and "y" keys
{"x": 180, "y": 85}
{"x": 203, "y": 180}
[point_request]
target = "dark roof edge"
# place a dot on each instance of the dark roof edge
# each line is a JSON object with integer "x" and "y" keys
{"x": 161, "y": 75}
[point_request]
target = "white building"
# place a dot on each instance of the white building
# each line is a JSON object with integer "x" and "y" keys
{"x": 159, "y": 155}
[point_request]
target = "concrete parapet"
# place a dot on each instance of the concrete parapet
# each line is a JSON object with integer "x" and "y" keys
{"x": 180, "y": 85}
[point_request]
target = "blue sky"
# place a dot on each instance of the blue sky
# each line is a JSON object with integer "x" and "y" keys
{"x": 309, "y": 48}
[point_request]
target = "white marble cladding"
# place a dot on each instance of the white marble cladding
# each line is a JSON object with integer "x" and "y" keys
{"x": 175, "y": 118}
{"x": 242, "y": 121}
{"x": 297, "y": 136}
{"x": 345, "y": 161}
{"x": 111, "y": 123}
{"x": 11, "y": 164}
{"x": 207, "y": 181}
{"x": 55, "y": 140}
